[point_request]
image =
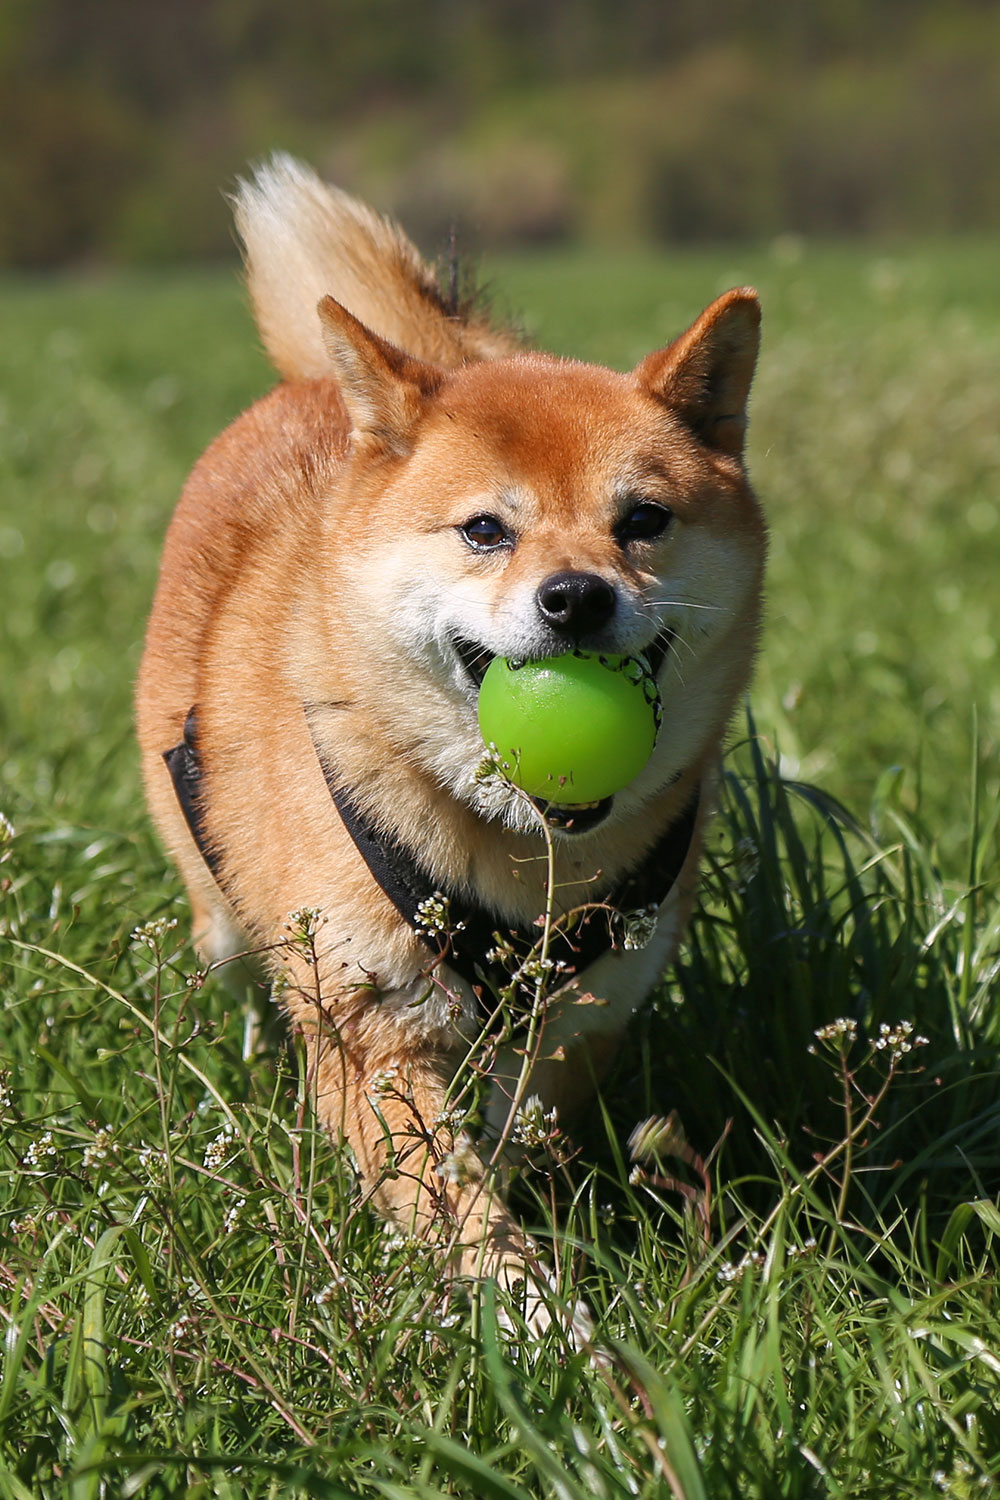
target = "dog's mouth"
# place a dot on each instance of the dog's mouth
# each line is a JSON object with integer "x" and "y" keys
{"x": 476, "y": 658}
{"x": 571, "y": 818}
{"x": 656, "y": 652}
{"x": 580, "y": 817}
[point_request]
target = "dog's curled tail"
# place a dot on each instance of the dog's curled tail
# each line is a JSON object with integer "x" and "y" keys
{"x": 304, "y": 240}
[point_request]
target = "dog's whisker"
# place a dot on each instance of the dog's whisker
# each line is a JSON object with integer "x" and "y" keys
{"x": 677, "y": 642}
{"x": 679, "y": 604}
{"x": 677, "y": 672}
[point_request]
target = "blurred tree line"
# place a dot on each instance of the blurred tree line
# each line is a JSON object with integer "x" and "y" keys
{"x": 521, "y": 120}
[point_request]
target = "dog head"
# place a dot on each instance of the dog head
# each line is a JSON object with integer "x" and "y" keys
{"x": 526, "y": 506}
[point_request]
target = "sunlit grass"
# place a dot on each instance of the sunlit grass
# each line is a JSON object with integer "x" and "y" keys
{"x": 798, "y": 1284}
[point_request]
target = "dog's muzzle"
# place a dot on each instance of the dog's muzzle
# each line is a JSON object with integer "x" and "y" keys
{"x": 568, "y": 818}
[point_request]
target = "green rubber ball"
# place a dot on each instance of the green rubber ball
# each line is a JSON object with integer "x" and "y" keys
{"x": 570, "y": 729}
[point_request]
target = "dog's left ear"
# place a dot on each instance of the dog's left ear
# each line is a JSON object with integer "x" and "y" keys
{"x": 704, "y": 376}
{"x": 383, "y": 388}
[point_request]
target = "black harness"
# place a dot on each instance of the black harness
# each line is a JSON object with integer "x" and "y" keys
{"x": 476, "y": 942}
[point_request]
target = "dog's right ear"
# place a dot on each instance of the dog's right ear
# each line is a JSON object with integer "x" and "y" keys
{"x": 383, "y": 389}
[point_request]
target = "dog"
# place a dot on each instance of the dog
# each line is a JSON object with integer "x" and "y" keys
{"x": 418, "y": 495}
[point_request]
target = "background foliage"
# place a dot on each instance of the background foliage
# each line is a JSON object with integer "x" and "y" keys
{"x": 555, "y": 120}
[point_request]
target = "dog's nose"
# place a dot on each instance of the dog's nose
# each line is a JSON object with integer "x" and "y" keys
{"x": 575, "y": 603}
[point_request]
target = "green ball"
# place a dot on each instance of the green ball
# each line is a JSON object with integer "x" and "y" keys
{"x": 570, "y": 729}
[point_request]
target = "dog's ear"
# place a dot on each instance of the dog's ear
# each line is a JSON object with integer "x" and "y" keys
{"x": 704, "y": 376}
{"x": 383, "y": 388}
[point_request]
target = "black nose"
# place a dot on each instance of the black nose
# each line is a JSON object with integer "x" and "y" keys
{"x": 575, "y": 603}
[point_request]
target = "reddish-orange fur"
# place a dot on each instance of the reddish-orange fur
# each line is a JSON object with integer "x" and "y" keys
{"x": 315, "y": 551}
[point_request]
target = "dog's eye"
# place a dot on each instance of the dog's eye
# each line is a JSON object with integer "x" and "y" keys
{"x": 644, "y": 521}
{"x": 485, "y": 533}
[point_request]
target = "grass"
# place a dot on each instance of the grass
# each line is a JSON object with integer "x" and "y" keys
{"x": 798, "y": 1273}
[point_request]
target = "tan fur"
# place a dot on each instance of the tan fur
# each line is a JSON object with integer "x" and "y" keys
{"x": 306, "y": 240}
{"x": 316, "y": 560}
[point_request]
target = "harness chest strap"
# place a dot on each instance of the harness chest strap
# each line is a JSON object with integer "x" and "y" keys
{"x": 472, "y": 931}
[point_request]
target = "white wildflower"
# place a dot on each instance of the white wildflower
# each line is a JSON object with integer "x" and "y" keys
{"x": 395, "y": 1239}
{"x": 533, "y": 1125}
{"x": 535, "y": 970}
{"x": 180, "y": 1327}
{"x": 492, "y": 768}
{"x": 845, "y": 1030}
{"x": 231, "y": 1217}
{"x": 152, "y": 934}
{"x": 154, "y": 1163}
{"x": 218, "y": 1150}
{"x": 735, "y": 1271}
{"x": 98, "y": 1151}
{"x": 898, "y": 1040}
{"x": 383, "y": 1083}
{"x": 433, "y": 916}
{"x": 42, "y": 1154}
{"x": 304, "y": 923}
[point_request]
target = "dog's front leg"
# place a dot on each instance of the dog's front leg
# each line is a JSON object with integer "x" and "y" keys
{"x": 391, "y": 1105}
{"x": 389, "y": 1099}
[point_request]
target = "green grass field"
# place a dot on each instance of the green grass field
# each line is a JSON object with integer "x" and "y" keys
{"x": 797, "y": 1278}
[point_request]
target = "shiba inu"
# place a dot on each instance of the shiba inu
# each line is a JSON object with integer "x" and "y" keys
{"x": 417, "y": 496}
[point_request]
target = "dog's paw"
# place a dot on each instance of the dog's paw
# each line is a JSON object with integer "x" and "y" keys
{"x": 535, "y": 1298}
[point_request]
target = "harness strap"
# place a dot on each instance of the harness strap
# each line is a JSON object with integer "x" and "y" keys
{"x": 464, "y": 933}
{"x": 474, "y": 931}
{"x": 184, "y": 764}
